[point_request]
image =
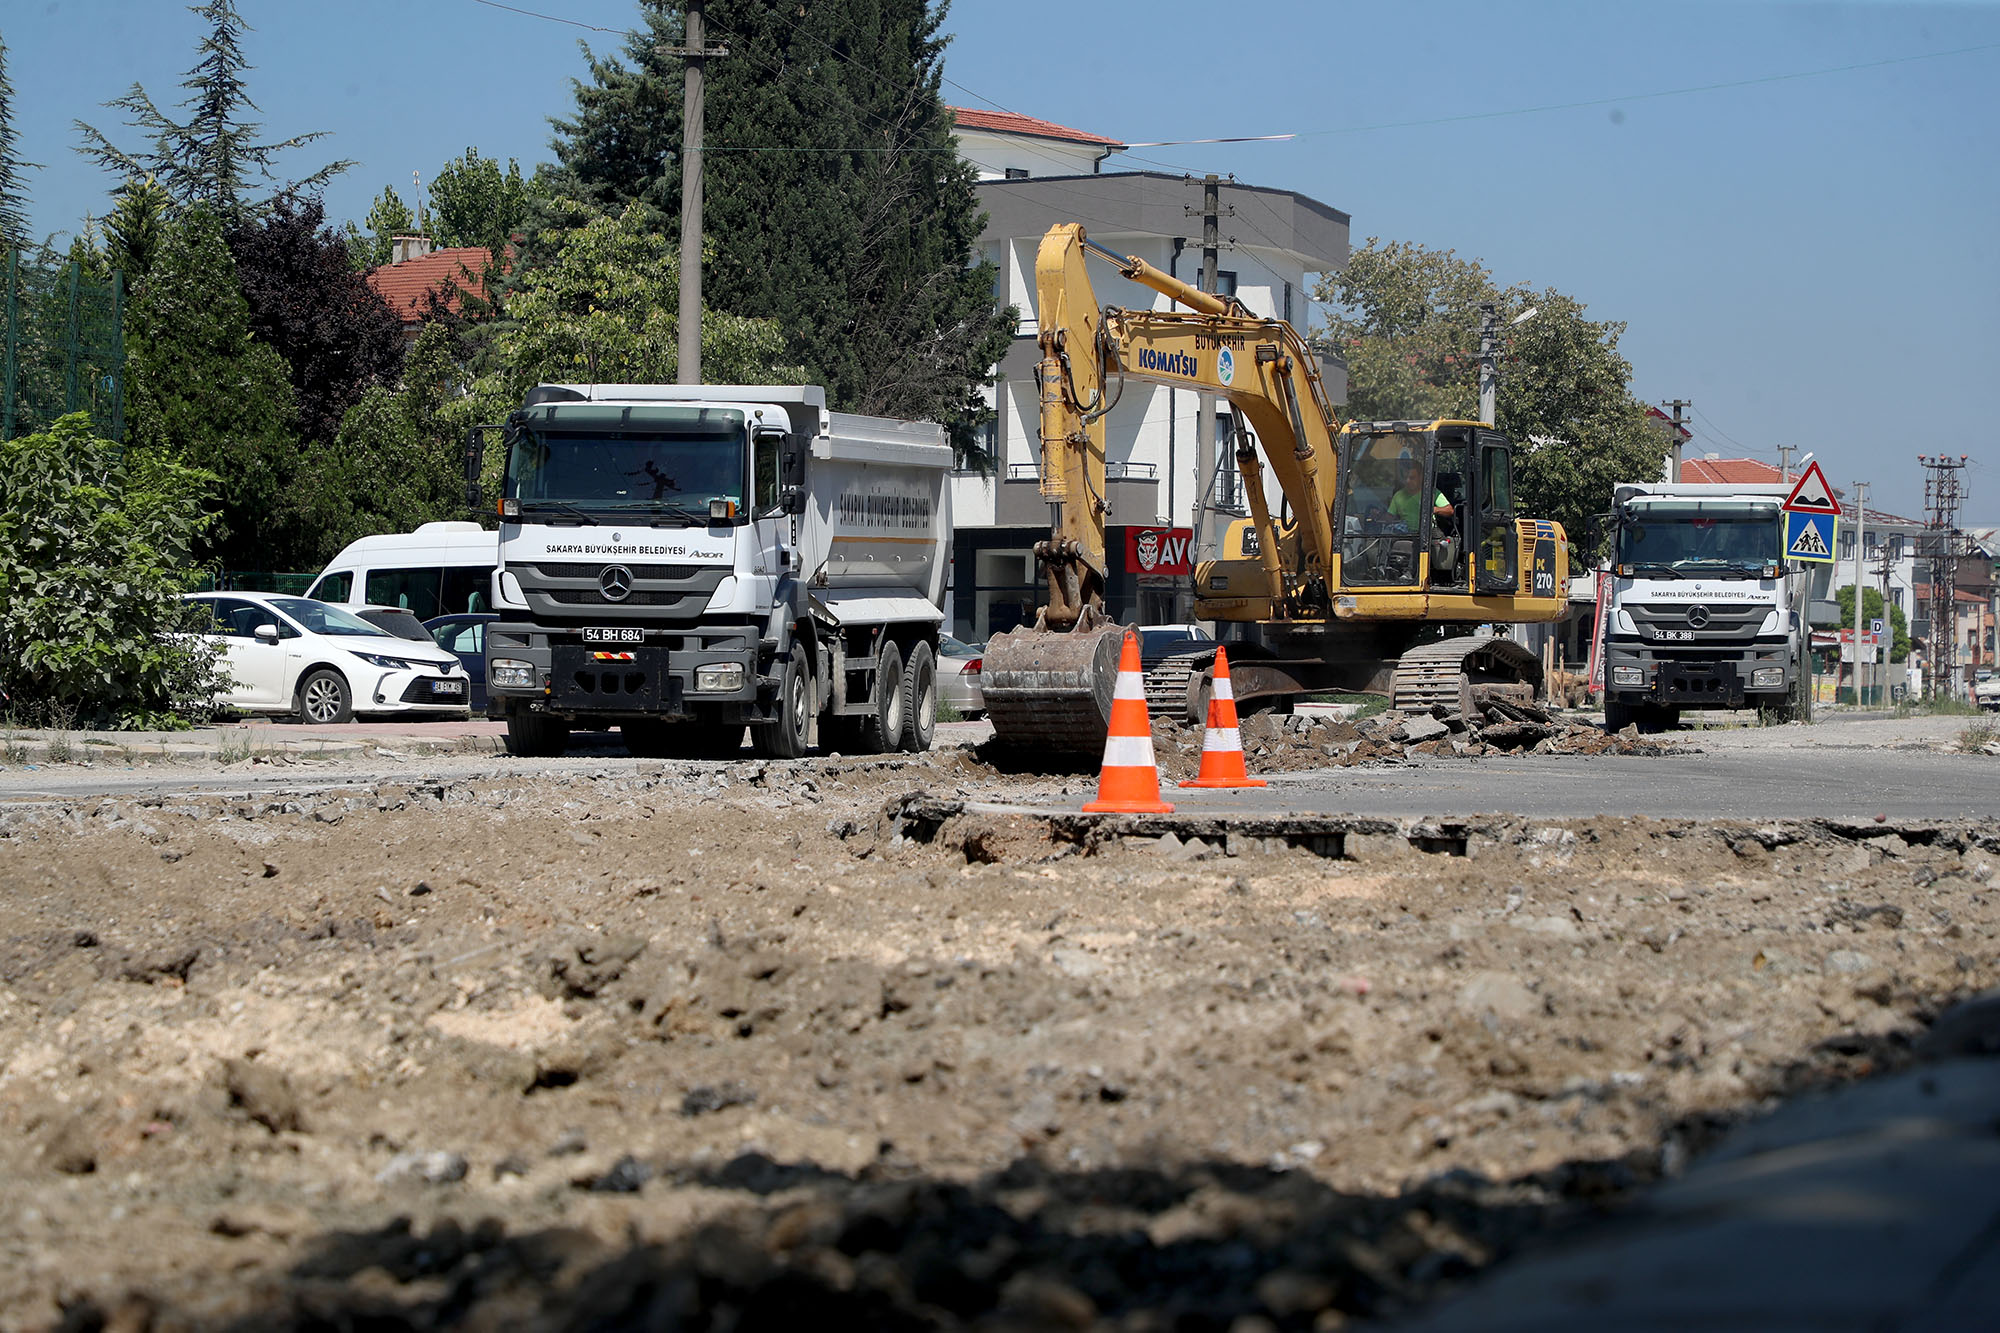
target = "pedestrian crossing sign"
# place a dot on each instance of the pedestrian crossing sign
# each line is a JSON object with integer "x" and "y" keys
{"x": 1809, "y": 536}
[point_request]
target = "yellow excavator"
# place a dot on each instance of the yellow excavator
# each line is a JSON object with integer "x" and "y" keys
{"x": 1396, "y": 539}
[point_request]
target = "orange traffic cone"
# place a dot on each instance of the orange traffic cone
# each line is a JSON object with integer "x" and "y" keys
{"x": 1130, "y": 780}
{"x": 1222, "y": 745}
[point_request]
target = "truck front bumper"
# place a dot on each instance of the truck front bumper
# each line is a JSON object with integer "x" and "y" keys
{"x": 711, "y": 672}
{"x": 1749, "y": 678}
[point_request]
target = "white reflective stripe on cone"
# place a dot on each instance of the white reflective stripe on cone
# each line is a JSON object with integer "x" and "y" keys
{"x": 1222, "y": 738}
{"x": 1131, "y": 685}
{"x": 1128, "y": 752}
{"x": 1223, "y": 689}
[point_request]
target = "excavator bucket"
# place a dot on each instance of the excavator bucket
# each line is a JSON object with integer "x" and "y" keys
{"x": 1051, "y": 689}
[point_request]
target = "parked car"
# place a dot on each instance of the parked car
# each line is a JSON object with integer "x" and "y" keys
{"x": 323, "y": 663}
{"x": 464, "y": 636}
{"x": 1986, "y": 689}
{"x": 395, "y": 621}
{"x": 1159, "y": 642}
{"x": 958, "y": 666}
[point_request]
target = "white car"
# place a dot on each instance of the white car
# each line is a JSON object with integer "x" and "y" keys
{"x": 296, "y": 655}
{"x": 958, "y": 676}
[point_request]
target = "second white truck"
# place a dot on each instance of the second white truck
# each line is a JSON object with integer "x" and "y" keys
{"x": 1703, "y": 611}
{"x": 685, "y": 561}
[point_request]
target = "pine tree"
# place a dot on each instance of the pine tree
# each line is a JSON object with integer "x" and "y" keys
{"x": 204, "y": 391}
{"x": 136, "y": 227}
{"x": 214, "y": 156}
{"x": 836, "y": 200}
{"x": 13, "y": 185}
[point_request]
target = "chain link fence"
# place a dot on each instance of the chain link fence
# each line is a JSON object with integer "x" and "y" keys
{"x": 62, "y": 345}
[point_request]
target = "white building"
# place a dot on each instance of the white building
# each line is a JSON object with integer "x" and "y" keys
{"x": 1035, "y": 174}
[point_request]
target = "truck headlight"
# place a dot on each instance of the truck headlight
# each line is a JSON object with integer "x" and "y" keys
{"x": 1628, "y": 675}
{"x": 1765, "y": 678}
{"x": 515, "y": 675}
{"x": 725, "y": 678}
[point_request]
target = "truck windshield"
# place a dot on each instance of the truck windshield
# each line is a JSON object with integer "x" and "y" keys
{"x": 656, "y": 459}
{"x": 1709, "y": 543}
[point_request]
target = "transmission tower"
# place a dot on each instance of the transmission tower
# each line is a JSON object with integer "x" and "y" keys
{"x": 1943, "y": 493}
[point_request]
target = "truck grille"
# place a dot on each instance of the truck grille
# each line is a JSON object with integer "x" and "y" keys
{"x": 576, "y": 570}
{"x": 1727, "y": 622}
{"x": 592, "y": 597}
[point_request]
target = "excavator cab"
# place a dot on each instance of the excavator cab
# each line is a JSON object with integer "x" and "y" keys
{"x": 1393, "y": 532}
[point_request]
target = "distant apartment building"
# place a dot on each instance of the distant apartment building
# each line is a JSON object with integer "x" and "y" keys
{"x": 1034, "y": 174}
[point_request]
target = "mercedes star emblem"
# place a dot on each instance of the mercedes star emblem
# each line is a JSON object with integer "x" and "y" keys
{"x": 616, "y": 583}
{"x": 1697, "y": 616}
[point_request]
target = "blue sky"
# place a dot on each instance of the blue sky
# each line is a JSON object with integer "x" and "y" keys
{"x": 1791, "y": 205}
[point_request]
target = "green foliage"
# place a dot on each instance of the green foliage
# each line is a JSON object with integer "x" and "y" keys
{"x": 1408, "y": 324}
{"x": 604, "y": 308}
{"x": 212, "y": 158}
{"x": 373, "y": 242}
{"x": 13, "y": 184}
{"x": 398, "y": 460}
{"x": 1871, "y": 609}
{"x": 474, "y": 203}
{"x": 136, "y": 227}
{"x": 95, "y": 546}
{"x": 205, "y": 392}
{"x": 834, "y": 189}
{"x": 62, "y": 326}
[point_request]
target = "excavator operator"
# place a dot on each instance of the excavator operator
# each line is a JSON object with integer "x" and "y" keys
{"x": 1407, "y": 503}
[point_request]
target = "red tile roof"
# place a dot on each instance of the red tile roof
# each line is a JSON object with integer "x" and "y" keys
{"x": 407, "y": 286}
{"x": 1731, "y": 471}
{"x": 1007, "y": 122}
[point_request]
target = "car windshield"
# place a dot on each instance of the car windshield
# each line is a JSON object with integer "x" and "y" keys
{"x": 402, "y": 624}
{"x": 655, "y": 459}
{"x": 1165, "y": 638}
{"x": 1688, "y": 541}
{"x": 319, "y": 618}
{"x": 950, "y": 647}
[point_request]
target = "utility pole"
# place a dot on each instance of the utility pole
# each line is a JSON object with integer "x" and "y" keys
{"x": 1785, "y": 452}
{"x": 1678, "y": 433}
{"x": 1860, "y": 548}
{"x": 1942, "y": 493}
{"x": 1489, "y": 360}
{"x": 695, "y": 53}
{"x": 1212, "y": 214}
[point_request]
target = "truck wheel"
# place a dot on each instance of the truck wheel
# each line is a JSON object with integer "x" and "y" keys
{"x": 885, "y": 724}
{"x": 324, "y": 699}
{"x": 1617, "y": 716}
{"x": 919, "y": 699}
{"x": 785, "y": 737}
{"x": 536, "y": 735}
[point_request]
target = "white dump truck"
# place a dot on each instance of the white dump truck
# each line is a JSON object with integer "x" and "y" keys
{"x": 1703, "y": 610}
{"x": 681, "y": 561}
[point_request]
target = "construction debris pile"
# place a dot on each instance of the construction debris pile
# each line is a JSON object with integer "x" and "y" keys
{"x": 1275, "y": 743}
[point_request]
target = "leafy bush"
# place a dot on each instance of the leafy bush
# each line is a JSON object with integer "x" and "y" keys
{"x": 95, "y": 546}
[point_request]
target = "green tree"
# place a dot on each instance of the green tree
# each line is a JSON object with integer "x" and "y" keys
{"x": 474, "y": 203}
{"x": 839, "y": 203}
{"x": 136, "y": 227}
{"x": 213, "y": 157}
{"x": 1407, "y": 320}
{"x": 398, "y": 460}
{"x": 13, "y": 181}
{"x": 205, "y": 392}
{"x": 95, "y": 546}
{"x": 373, "y": 242}
{"x": 604, "y": 309}
{"x": 1871, "y": 609}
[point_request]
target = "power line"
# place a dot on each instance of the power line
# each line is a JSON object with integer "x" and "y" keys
{"x": 550, "y": 18}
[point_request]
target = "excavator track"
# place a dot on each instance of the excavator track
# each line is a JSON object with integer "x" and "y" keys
{"x": 1051, "y": 689}
{"x": 1444, "y": 672}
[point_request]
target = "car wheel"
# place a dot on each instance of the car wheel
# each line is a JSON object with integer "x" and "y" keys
{"x": 919, "y": 700}
{"x": 324, "y": 700}
{"x": 885, "y": 724}
{"x": 785, "y": 736}
{"x": 536, "y": 736}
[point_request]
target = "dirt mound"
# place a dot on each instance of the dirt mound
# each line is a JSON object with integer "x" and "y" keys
{"x": 1276, "y": 743}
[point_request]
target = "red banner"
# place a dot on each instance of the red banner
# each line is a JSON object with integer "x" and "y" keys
{"x": 1159, "y": 552}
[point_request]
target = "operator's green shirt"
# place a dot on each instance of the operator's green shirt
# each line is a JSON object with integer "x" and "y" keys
{"x": 1404, "y": 505}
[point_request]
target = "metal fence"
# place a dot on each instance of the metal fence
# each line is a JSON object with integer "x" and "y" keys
{"x": 253, "y": 580}
{"x": 62, "y": 346}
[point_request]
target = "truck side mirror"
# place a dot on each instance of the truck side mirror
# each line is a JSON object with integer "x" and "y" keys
{"x": 793, "y": 459}
{"x": 475, "y": 463}
{"x": 793, "y": 501}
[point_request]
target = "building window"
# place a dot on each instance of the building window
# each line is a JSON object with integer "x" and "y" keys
{"x": 1017, "y": 173}
{"x": 1225, "y": 282}
{"x": 1896, "y": 598}
{"x": 1896, "y": 547}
